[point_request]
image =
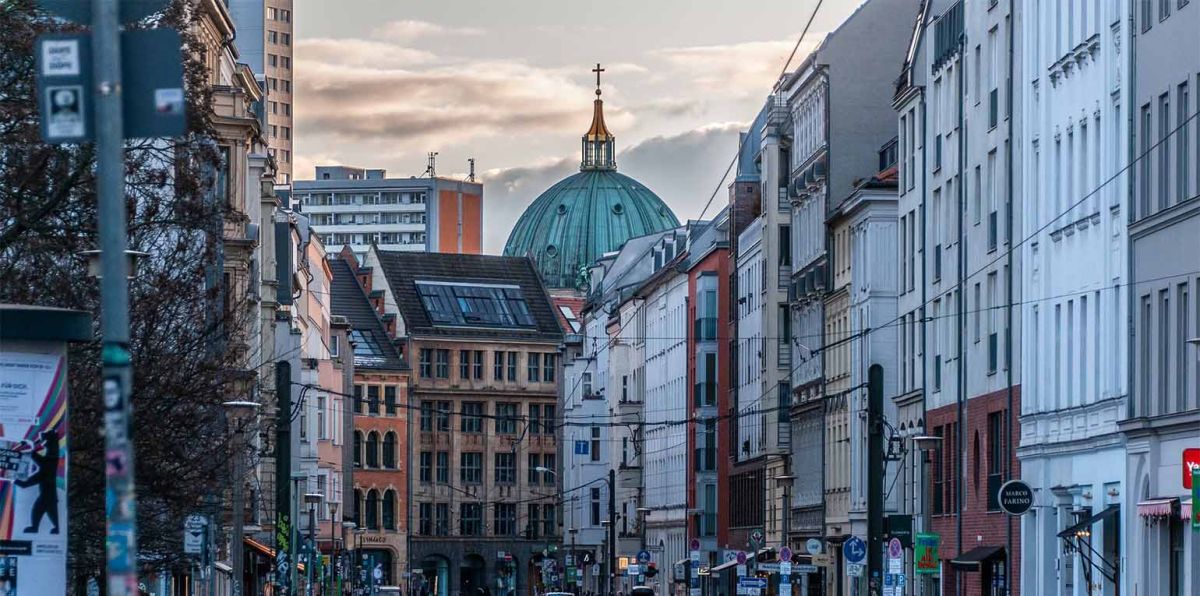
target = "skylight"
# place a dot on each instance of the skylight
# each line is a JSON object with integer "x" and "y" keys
{"x": 474, "y": 305}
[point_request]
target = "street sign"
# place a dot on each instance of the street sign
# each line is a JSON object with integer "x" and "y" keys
{"x": 548, "y": 565}
{"x": 806, "y": 569}
{"x": 822, "y": 560}
{"x": 64, "y": 74}
{"x": 1191, "y": 464}
{"x": 633, "y": 570}
{"x": 1015, "y": 497}
{"x": 895, "y": 549}
{"x": 756, "y": 538}
{"x": 581, "y": 447}
{"x": 854, "y": 569}
{"x": 813, "y": 546}
{"x": 694, "y": 544}
{"x": 741, "y": 570}
{"x": 899, "y": 526}
{"x": 643, "y": 556}
{"x": 925, "y": 556}
{"x": 785, "y": 590}
{"x": 785, "y": 554}
{"x": 695, "y": 558}
{"x": 741, "y": 558}
{"x": 194, "y": 529}
{"x": 785, "y": 568}
{"x": 855, "y": 550}
{"x": 768, "y": 567}
{"x": 756, "y": 582}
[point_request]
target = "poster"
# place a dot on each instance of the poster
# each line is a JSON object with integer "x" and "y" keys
{"x": 33, "y": 474}
{"x": 926, "y": 556}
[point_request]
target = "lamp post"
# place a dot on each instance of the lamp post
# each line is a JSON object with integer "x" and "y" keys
{"x": 343, "y": 563}
{"x": 925, "y": 444}
{"x": 312, "y": 500}
{"x": 333, "y": 545}
{"x": 237, "y": 413}
{"x": 358, "y": 577}
{"x": 608, "y": 555}
{"x": 574, "y": 561}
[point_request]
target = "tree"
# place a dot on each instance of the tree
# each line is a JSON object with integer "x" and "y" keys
{"x": 178, "y": 310}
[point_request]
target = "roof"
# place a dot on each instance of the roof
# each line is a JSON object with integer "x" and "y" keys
{"x": 515, "y": 277}
{"x": 974, "y": 558}
{"x": 373, "y": 348}
{"x": 581, "y": 218}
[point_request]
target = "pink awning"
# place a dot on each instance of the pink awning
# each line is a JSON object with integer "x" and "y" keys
{"x": 1157, "y": 507}
{"x": 1185, "y": 510}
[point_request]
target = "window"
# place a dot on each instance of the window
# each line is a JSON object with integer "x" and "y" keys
{"x": 534, "y": 367}
{"x": 785, "y": 245}
{"x": 464, "y": 364}
{"x": 549, "y": 520}
{"x": 272, "y": 60}
{"x": 1164, "y": 348}
{"x": 443, "y": 416}
{"x": 372, "y": 454}
{"x": 472, "y": 417}
{"x": 425, "y": 519}
{"x": 471, "y": 467}
{"x": 1182, "y": 306}
{"x": 358, "y": 445}
{"x": 389, "y": 399}
{"x": 389, "y": 510}
{"x": 470, "y": 522}
{"x": 477, "y": 365}
{"x": 322, "y": 432}
{"x": 476, "y": 305}
{"x": 443, "y": 467}
{"x": 506, "y": 418}
{"x": 548, "y": 367}
{"x": 997, "y": 455}
{"x": 426, "y": 416}
{"x": 506, "y": 468}
{"x": 389, "y": 450}
{"x": 586, "y": 382}
{"x": 548, "y": 419}
{"x": 531, "y": 520}
{"x": 1144, "y": 154}
{"x": 512, "y": 366}
{"x": 595, "y": 503}
{"x": 426, "y": 467}
{"x": 373, "y": 399}
{"x": 426, "y": 363}
{"x": 285, "y": 38}
{"x": 1164, "y": 157}
{"x": 505, "y": 519}
{"x": 443, "y": 364}
{"x": 272, "y": 37}
{"x": 371, "y": 519}
{"x": 1182, "y": 165}
{"x": 498, "y": 366}
{"x": 595, "y": 446}
{"x": 535, "y": 418}
{"x": 441, "y": 519}
{"x": 1164, "y": 9}
{"x": 549, "y": 461}
{"x": 532, "y": 475}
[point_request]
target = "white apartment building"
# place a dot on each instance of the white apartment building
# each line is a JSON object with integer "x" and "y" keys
{"x": 1074, "y": 95}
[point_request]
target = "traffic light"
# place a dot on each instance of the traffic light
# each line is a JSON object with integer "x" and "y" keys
{"x": 651, "y": 570}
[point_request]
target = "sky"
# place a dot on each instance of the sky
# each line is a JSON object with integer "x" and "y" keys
{"x": 380, "y": 83}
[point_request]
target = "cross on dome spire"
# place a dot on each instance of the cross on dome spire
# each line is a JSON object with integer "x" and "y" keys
{"x": 597, "y": 70}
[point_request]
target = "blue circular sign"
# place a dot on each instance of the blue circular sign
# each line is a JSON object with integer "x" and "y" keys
{"x": 643, "y": 556}
{"x": 855, "y": 550}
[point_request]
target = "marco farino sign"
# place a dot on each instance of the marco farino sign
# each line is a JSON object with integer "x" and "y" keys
{"x": 1015, "y": 497}
{"x": 925, "y": 557}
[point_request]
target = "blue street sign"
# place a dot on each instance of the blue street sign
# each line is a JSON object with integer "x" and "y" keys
{"x": 643, "y": 556}
{"x": 752, "y": 582}
{"x": 581, "y": 447}
{"x": 855, "y": 549}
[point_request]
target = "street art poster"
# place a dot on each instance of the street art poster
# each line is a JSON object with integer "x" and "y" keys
{"x": 33, "y": 474}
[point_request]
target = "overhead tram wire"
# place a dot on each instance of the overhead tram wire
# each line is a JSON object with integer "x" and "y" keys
{"x": 741, "y": 141}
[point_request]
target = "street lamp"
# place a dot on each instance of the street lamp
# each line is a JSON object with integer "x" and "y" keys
{"x": 785, "y": 481}
{"x": 333, "y": 543}
{"x": 343, "y": 562}
{"x": 312, "y": 500}
{"x": 926, "y": 444}
{"x": 237, "y": 413}
{"x": 360, "y": 577}
{"x": 574, "y": 561}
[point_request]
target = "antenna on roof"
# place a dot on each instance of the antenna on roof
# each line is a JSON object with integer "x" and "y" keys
{"x": 431, "y": 168}
{"x": 471, "y": 169}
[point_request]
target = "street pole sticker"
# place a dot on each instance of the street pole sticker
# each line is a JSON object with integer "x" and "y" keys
{"x": 60, "y": 58}
{"x": 33, "y": 477}
{"x": 66, "y": 117}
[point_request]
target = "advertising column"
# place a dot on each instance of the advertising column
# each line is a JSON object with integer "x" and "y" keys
{"x": 34, "y": 447}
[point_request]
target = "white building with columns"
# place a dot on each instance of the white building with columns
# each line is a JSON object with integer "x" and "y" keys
{"x": 1073, "y": 148}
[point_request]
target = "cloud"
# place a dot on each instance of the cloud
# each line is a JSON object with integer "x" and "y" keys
{"x": 742, "y": 68}
{"x": 683, "y": 169}
{"x": 408, "y": 30}
{"x": 357, "y": 52}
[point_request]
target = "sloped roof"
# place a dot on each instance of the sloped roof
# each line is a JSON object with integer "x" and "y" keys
{"x": 348, "y": 299}
{"x": 404, "y": 269}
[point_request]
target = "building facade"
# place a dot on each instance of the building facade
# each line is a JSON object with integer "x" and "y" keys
{"x": 484, "y": 338}
{"x": 265, "y": 44}
{"x": 1161, "y": 421}
{"x": 360, "y": 207}
{"x": 1074, "y": 100}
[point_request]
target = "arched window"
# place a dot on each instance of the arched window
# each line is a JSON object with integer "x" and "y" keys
{"x": 371, "y": 519}
{"x": 372, "y": 455}
{"x": 358, "y": 440}
{"x": 389, "y": 450}
{"x": 389, "y": 510}
{"x": 358, "y": 497}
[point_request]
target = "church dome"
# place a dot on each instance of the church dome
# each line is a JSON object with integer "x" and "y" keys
{"x": 585, "y": 215}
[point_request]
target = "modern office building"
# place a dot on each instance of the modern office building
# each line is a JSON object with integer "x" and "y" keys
{"x": 363, "y": 207}
{"x": 265, "y": 43}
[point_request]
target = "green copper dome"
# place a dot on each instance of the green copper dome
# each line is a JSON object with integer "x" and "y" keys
{"x": 587, "y": 214}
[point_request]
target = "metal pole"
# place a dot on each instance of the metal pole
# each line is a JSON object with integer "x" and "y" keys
{"x": 875, "y": 472}
{"x": 283, "y": 473}
{"x": 114, "y": 300}
{"x": 612, "y": 528}
{"x": 235, "y": 550}
{"x": 312, "y": 545}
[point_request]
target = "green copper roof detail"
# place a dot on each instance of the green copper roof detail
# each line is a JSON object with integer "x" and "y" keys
{"x": 582, "y": 217}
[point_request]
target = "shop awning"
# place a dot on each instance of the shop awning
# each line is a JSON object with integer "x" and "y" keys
{"x": 1185, "y": 510}
{"x": 260, "y": 547}
{"x": 974, "y": 559}
{"x": 730, "y": 564}
{"x": 1072, "y": 531}
{"x": 1158, "y": 507}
